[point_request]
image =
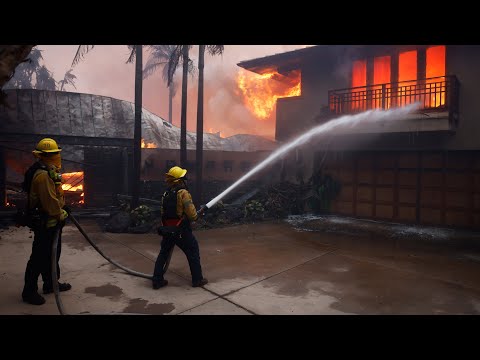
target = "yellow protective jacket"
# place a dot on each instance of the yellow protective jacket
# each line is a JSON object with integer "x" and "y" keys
{"x": 185, "y": 205}
{"x": 47, "y": 196}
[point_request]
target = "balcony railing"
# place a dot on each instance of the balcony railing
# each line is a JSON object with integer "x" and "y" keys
{"x": 434, "y": 94}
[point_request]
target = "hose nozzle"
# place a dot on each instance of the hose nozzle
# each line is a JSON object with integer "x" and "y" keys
{"x": 203, "y": 209}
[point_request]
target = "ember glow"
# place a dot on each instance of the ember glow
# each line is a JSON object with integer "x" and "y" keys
{"x": 436, "y": 69}
{"x": 260, "y": 92}
{"x": 146, "y": 145}
{"x": 73, "y": 184}
{"x": 381, "y": 75}
{"x": 73, "y": 181}
{"x": 359, "y": 79}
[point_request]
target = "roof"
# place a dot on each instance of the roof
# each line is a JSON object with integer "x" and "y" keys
{"x": 77, "y": 114}
{"x": 284, "y": 63}
{"x": 289, "y": 60}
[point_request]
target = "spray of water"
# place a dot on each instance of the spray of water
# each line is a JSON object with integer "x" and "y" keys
{"x": 371, "y": 116}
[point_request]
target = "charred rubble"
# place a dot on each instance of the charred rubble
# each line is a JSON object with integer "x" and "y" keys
{"x": 251, "y": 204}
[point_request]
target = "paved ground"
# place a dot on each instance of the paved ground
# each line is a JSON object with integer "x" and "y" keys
{"x": 263, "y": 268}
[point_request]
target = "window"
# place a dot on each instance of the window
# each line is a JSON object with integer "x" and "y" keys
{"x": 228, "y": 165}
{"x": 359, "y": 79}
{"x": 407, "y": 66}
{"x": 381, "y": 76}
{"x": 407, "y": 70}
{"x": 210, "y": 165}
{"x": 435, "y": 69}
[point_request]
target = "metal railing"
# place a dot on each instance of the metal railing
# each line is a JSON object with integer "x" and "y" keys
{"x": 434, "y": 94}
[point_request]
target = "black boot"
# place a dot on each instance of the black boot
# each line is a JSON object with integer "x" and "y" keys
{"x": 159, "y": 284}
{"x": 33, "y": 298}
{"x": 61, "y": 287}
{"x": 200, "y": 283}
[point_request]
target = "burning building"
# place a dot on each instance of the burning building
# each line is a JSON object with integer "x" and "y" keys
{"x": 96, "y": 136}
{"x": 424, "y": 169}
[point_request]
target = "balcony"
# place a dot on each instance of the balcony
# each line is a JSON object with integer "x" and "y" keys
{"x": 438, "y": 98}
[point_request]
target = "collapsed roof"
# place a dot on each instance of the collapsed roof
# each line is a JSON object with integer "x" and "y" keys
{"x": 87, "y": 115}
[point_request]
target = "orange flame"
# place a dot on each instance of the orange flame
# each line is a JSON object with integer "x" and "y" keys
{"x": 148, "y": 145}
{"x": 436, "y": 68}
{"x": 260, "y": 93}
{"x": 75, "y": 176}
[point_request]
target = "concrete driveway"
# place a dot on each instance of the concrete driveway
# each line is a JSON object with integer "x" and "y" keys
{"x": 263, "y": 268}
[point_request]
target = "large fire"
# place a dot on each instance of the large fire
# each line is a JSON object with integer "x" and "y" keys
{"x": 430, "y": 92}
{"x": 73, "y": 182}
{"x": 148, "y": 145}
{"x": 260, "y": 92}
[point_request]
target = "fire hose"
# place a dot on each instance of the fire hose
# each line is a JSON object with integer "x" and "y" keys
{"x": 113, "y": 262}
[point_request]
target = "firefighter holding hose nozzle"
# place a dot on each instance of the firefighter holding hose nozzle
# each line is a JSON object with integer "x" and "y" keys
{"x": 45, "y": 214}
{"x": 177, "y": 214}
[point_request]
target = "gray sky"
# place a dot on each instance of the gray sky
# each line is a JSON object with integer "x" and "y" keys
{"x": 104, "y": 72}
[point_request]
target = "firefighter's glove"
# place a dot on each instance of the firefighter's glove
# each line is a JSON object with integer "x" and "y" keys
{"x": 203, "y": 209}
{"x": 64, "y": 215}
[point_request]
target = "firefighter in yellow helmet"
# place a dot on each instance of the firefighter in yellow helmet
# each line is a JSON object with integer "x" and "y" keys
{"x": 46, "y": 204}
{"x": 177, "y": 213}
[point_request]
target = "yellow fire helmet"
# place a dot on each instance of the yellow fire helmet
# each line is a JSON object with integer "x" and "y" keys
{"x": 47, "y": 145}
{"x": 176, "y": 172}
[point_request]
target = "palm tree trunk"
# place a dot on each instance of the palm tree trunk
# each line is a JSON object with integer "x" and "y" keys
{"x": 199, "y": 152}
{"x": 137, "y": 135}
{"x": 170, "y": 103}
{"x": 183, "y": 119}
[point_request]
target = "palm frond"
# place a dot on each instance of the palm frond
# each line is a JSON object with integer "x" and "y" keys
{"x": 173, "y": 62}
{"x": 132, "y": 49}
{"x": 81, "y": 52}
{"x": 215, "y": 49}
{"x": 152, "y": 65}
{"x": 45, "y": 80}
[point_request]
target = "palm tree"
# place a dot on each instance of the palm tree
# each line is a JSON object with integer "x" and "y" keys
{"x": 136, "y": 53}
{"x": 159, "y": 56}
{"x": 212, "y": 50}
{"x": 68, "y": 79}
{"x": 137, "y": 135}
{"x": 23, "y": 75}
{"x": 11, "y": 56}
{"x": 181, "y": 52}
{"x": 45, "y": 80}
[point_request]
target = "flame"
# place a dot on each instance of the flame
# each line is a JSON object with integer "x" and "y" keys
{"x": 381, "y": 75}
{"x": 260, "y": 93}
{"x": 148, "y": 145}
{"x": 436, "y": 68}
{"x": 9, "y": 204}
{"x": 68, "y": 187}
{"x": 359, "y": 79}
{"x": 83, "y": 200}
{"x": 75, "y": 177}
